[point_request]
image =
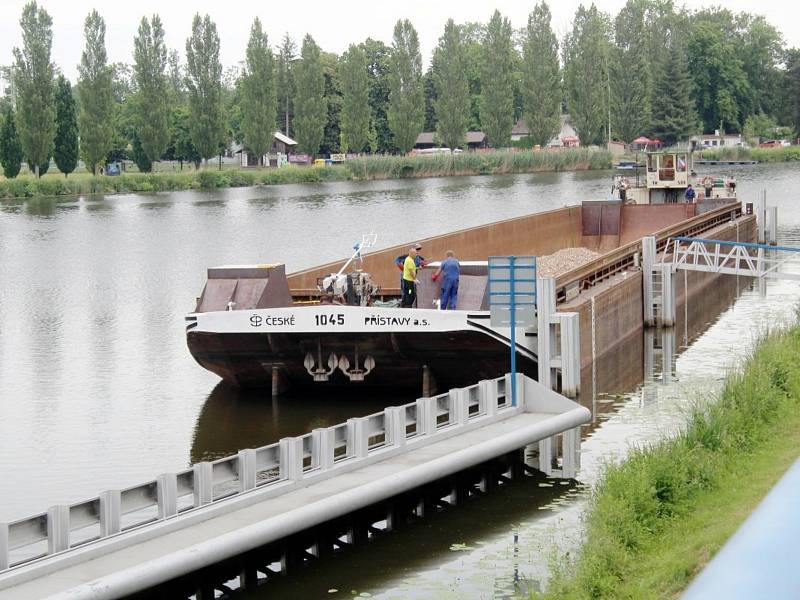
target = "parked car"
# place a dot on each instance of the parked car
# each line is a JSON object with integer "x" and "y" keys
{"x": 113, "y": 168}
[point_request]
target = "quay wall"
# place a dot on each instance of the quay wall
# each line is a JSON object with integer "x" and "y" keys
{"x": 618, "y": 302}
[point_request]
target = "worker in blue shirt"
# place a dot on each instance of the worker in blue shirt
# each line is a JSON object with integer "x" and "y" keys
{"x": 689, "y": 194}
{"x": 451, "y": 270}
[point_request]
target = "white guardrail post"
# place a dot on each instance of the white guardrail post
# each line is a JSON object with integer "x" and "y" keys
{"x": 323, "y": 447}
{"x": 110, "y": 512}
{"x": 4, "y": 558}
{"x": 460, "y": 401}
{"x": 57, "y": 528}
{"x": 396, "y": 426}
{"x": 203, "y": 473}
{"x": 167, "y": 493}
{"x": 291, "y": 458}
{"x": 247, "y": 469}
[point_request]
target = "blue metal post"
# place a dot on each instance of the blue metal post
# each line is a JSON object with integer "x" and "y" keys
{"x": 513, "y": 314}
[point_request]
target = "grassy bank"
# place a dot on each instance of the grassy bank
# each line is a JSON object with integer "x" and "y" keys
{"x": 656, "y": 519}
{"x": 782, "y": 154}
{"x": 373, "y": 167}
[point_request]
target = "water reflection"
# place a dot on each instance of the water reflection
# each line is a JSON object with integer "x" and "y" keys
{"x": 232, "y": 419}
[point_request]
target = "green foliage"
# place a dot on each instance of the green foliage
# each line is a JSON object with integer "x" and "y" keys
{"x": 96, "y": 119}
{"x": 33, "y": 80}
{"x": 476, "y": 163}
{"x": 630, "y": 73}
{"x": 356, "y": 117}
{"x": 139, "y": 156}
{"x": 285, "y": 83}
{"x": 204, "y": 86}
{"x": 674, "y": 115}
{"x": 792, "y": 86}
{"x": 406, "y": 102}
{"x": 722, "y": 91}
{"x": 586, "y": 51}
{"x": 258, "y": 93}
{"x": 65, "y": 149}
{"x": 378, "y": 66}
{"x": 541, "y": 77}
{"x": 781, "y": 154}
{"x": 332, "y": 133}
{"x": 310, "y": 108}
{"x": 759, "y": 126}
{"x": 452, "y": 88}
{"x": 10, "y": 146}
{"x": 497, "y": 65}
{"x": 151, "y": 109}
{"x": 639, "y": 499}
{"x": 181, "y": 138}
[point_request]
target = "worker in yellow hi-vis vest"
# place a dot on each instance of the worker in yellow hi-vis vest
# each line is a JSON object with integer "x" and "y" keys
{"x": 409, "y": 282}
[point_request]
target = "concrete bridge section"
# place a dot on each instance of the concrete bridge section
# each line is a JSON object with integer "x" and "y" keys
{"x": 127, "y": 541}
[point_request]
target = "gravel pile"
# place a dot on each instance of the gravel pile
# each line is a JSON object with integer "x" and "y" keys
{"x": 566, "y": 259}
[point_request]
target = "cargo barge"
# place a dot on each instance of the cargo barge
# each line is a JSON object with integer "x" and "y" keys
{"x": 256, "y": 326}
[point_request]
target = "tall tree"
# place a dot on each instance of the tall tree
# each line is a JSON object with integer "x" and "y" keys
{"x": 354, "y": 80}
{"x": 406, "y": 102}
{"x": 285, "y": 82}
{"x": 429, "y": 93}
{"x": 497, "y": 81}
{"x": 204, "y": 85}
{"x": 722, "y": 91}
{"x": 378, "y": 66}
{"x": 629, "y": 72}
{"x": 151, "y": 106}
{"x": 95, "y": 93}
{"x": 473, "y": 44}
{"x": 10, "y": 146}
{"x": 65, "y": 151}
{"x": 33, "y": 79}
{"x": 259, "y": 104}
{"x": 310, "y": 108}
{"x": 541, "y": 89}
{"x": 332, "y": 132}
{"x": 586, "y": 50}
{"x": 792, "y": 84}
{"x": 452, "y": 88}
{"x": 674, "y": 114}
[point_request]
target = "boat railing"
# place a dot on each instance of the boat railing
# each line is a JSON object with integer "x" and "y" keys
{"x": 300, "y": 460}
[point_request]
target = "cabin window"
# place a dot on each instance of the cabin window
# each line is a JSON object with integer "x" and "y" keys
{"x": 681, "y": 163}
{"x": 652, "y": 163}
{"x": 667, "y": 170}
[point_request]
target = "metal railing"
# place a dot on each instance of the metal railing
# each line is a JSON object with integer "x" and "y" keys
{"x": 313, "y": 455}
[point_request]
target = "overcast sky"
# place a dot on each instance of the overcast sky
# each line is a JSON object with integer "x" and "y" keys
{"x": 334, "y": 25}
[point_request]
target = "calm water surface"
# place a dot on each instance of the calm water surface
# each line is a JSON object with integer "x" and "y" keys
{"x": 98, "y": 391}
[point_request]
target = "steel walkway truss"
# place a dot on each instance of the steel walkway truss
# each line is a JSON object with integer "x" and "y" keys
{"x": 731, "y": 258}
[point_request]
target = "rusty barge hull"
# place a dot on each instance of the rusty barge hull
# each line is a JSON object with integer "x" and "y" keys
{"x": 455, "y": 353}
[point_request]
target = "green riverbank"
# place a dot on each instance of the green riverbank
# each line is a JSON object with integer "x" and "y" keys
{"x": 656, "y": 519}
{"x": 359, "y": 169}
{"x": 782, "y": 154}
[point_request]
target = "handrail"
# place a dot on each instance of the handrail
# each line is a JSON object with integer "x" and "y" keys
{"x": 292, "y": 459}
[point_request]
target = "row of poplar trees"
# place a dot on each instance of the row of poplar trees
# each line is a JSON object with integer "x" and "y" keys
{"x": 49, "y": 122}
{"x": 653, "y": 69}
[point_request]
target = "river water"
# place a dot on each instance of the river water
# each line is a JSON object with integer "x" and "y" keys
{"x": 98, "y": 391}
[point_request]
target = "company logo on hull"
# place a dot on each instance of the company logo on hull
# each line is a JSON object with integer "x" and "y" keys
{"x": 271, "y": 321}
